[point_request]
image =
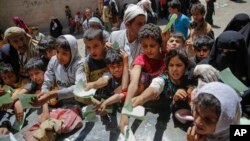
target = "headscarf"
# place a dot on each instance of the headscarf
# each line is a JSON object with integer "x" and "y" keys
{"x": 95, "y": 20}
{"x": 12, "y": 32}
{"x": 133, "y": 11}
{"x": 237, "y": 61}
{"x": 238, "y": 21}
{"x": 19, "y": 23}
{"x": 230, "y": 108}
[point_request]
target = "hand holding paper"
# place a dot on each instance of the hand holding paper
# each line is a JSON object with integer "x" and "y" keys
{"x": 27, "y": 99}
{"x": 79, "y": 90}
{"x": 137, "y": 112}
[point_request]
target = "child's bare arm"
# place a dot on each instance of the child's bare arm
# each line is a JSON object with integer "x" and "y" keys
{"x": 101, "y": 82}
{"x": 125, "y": 75}
{"x": 111, "y": 100}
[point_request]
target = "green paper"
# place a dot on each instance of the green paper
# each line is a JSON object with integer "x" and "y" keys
{"x": 129, "y": 136}
{"x": 244, "y": 121}
{"x": 79, "y": 91}
{"x": 115, "y": 45}
{"x": 170, "y": 23}
{"x": 5, "y": 99}
{"x": 8, "y": 89}
{"x": 129, "y": 106}
{"x": 137, "y": 112}
{"x": 26, "y": 99}
{"x": 89, "y": 114}
{"x": 4, "y": 138}
{"x": 18, "y": 125}
{"x": 228, "y": 78}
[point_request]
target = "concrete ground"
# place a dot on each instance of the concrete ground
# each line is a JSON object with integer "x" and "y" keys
{"x": 224, "y": 12}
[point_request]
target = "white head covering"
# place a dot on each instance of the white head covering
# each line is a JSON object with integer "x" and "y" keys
{"x": 132, "y": 11}
{"x": 230, "y": 108}
{"x": 95, "y": 20}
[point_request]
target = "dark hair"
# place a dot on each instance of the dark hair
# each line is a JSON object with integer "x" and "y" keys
{"x": 208, "y": 101}
{"x": 35, "y": 63}
{"x": 113, "y": 56}
{"x": 175, "y": 4}
{"x": 177, "y": 35}
{"x": 202, "y": 41}
{"x": 63, "y": 43}
{"x": 6, "y": 67}
{"x": 198, "y": 8}
{"x": 150, "y": 30}
{"x": 91, "y": 34}
{"x": 47, "y": 43}
{"x": 181, "y": 53}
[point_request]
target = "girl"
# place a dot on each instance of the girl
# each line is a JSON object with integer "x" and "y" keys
{"x": 215, "y": 107}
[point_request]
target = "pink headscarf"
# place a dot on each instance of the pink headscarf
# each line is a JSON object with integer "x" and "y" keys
{"x": 19, "y": 23}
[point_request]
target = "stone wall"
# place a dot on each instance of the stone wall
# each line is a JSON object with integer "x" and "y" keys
{"x": 39, "y": 12}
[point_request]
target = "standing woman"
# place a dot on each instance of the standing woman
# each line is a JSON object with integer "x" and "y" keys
{"x": 55, "y": 27}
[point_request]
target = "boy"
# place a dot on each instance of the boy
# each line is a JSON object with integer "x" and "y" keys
{"x": 182, "y": 22}
{"x": 65, "y": 69}
{"x": 115, "y": 82}
{"x": 202, "y": 47}
{"x": 46, "y": 48}
{"x": 176, "y": 40}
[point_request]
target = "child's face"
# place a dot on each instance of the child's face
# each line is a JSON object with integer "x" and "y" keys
{"x": 116, "y": 69}
{"x": 35, "y": 32}
{"x": 37, "y": 76}
{"x": 202, "y": 53}
{"x": 9, "y": 78}
{"x": 49, "y": 53}
{"x": 63, "y": 56}
{"x": 173, "y": 43}
{"x": 197, "y": 16}
{"x": 95, "y": 48}
{"x": 205, "y": 120}
{"x": 88, "y": 14}
{"x": 134, "y": 26}
{"x": 176, "y": 68}
{"x": 150, "y": 48}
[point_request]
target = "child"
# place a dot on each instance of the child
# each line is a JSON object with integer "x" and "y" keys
{"x": 65, "y": 69}
{"x": 36, "y": 34}
{"x": 215, "y": 107}
{"x": 115, "y": 82}
{"x": 94, "y": 65}
{"x": 182, "y": 22}
{"x": 176, "y": 40}
{"x": 46, "y": 48}
{"x": 202, "y": 47}
{"x": 163, "y": 88}
{"x": 199, "y": 27}
{"x": 151, "y": 62}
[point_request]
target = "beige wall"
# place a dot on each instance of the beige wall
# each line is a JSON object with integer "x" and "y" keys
{"x": 38, "y": 12}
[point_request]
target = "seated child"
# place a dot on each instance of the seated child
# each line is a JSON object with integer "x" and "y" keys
{"x": 46, "y": 48}
{"x": 65, "y": 69}
{"x": 215, "y": 107}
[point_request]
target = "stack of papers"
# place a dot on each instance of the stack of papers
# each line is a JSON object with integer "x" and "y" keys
{"x": 137, "y": 112}
{"x": 80, "y": 93}
{"x": 129, "y": 136}
{"x": 89, "y": 114}
{"x": 26, "y": 99}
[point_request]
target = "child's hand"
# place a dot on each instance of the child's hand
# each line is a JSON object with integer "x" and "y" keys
{"x": 88, "y": 86}
{"x": 108, "y": 45}
{"x": 123, "y": 123}
{"x": 193, "y": 136}
{"x": 180, "y": 94}
{"x": 101, "y": 109}
{"x": 1, "y": 91}
{"x": 138, "y": 100}
{"x": 189, "y": 43}
{"x": 124, "y": 57}
{"x": 4, "y": 131}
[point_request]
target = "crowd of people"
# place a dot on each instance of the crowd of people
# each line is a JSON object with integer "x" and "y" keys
{"x": 172, "y": 72}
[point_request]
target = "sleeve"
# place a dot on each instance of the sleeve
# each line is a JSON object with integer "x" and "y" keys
{"x": 157, "y": 84}
{"x": 49, "y": 76}
{"x": 68, "y": 92}
{"x": 28, "y": 87}
{"x": 139, "y": 60}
